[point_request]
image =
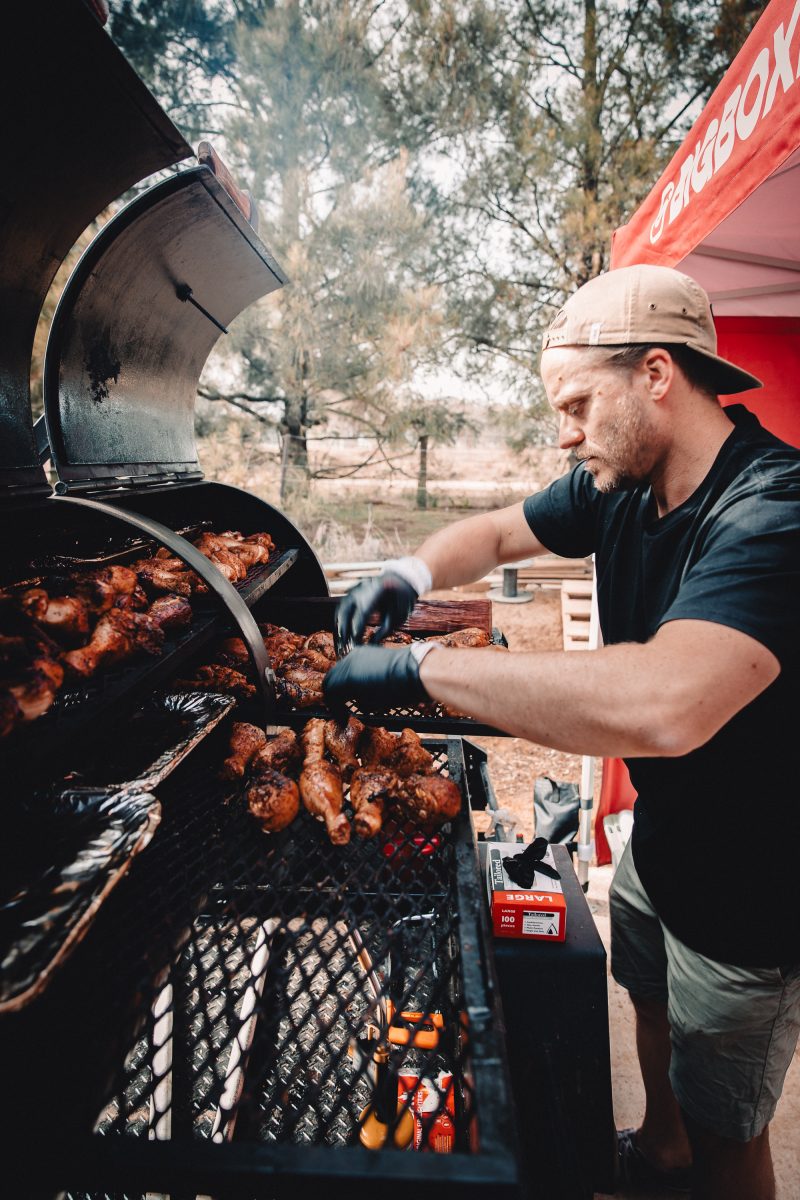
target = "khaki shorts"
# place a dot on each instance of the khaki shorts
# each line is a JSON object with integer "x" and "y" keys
{"x": 733, "y": 1029}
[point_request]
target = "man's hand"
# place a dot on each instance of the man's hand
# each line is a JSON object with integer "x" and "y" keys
{"x": 377, "y": 678}
{"x": 392, "y": 595}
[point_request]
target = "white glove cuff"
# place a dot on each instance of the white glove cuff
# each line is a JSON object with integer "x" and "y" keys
{"x": 413, "y": 570}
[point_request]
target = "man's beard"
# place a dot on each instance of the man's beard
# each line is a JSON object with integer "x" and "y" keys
{"x": 626, "y": 460}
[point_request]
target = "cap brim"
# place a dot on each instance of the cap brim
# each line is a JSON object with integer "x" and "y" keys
{"x": 724, "y": 376}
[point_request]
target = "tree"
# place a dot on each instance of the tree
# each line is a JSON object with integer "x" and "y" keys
{"x": 583, "y": 103}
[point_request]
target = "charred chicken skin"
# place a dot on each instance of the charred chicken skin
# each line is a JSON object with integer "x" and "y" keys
{"x": 281, "y": 753}
{"x": 322, "y": 643}
{"x": 463, "y": 637}
{"x": 273, "y": 800}
{"x": 245, "y": 742}
{"x": 370, "y": 790}
{"x": 301, "y": 686}
{"x": 429, "y": 800}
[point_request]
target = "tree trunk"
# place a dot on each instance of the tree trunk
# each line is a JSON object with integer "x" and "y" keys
{"x": 422, "y": 473}
{"x": 591, "y": 258}
{"x": 294, "y": 457}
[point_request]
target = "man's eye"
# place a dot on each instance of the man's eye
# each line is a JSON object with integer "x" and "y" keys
{"x": 574, "y": 410}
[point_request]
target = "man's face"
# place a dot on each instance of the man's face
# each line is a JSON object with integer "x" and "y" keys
{"x": 603, "y": 414}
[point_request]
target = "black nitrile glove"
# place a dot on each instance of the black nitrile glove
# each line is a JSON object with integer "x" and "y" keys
{"x": 389, "y": 595}
{"x": 377, "y": 678}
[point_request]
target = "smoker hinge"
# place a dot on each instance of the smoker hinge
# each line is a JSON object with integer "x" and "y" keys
{"x": 115, "y": 483}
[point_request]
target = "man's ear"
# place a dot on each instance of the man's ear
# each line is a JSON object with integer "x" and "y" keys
{"x": 659, "y": 368}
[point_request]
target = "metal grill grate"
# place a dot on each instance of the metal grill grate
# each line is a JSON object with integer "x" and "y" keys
{"x": 264, "y": 962}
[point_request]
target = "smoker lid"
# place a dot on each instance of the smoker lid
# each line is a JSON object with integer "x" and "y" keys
{"x": 135, "y": 325}
{"x": 84, "y": 129}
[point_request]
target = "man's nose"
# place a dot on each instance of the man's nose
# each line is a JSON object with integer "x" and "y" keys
{"x": 569, "y": 432}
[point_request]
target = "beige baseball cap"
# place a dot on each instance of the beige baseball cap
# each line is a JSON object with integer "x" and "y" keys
{"x": 646, "y": 304}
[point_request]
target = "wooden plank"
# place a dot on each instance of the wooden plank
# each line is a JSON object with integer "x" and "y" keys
{"x": 576, "y": 613}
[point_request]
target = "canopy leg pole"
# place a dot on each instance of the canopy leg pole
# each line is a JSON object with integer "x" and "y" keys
{"x": 585, "y": 839}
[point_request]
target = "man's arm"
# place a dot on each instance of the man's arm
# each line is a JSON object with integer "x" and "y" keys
{"x": 663, "y": 698}
{"x": 470, "y": 549}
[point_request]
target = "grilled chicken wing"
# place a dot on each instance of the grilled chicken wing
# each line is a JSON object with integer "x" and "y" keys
{"x": 379, "y": 744}
{"x": 214, "y": 678}
{"x": 429, "y": 800}
{"x": 341, "y": 742}
{"x": 322, "y": 642}
{"x": 301, "y": 686}
{"x": 321, "y": 790}
{"x": 166, "y": 575}
{"x": 245, "y": 548}
{"x": 214, "y": 548}
{"x": 281, "y": 753}
{"x": 245, "y": 742}
{"x": 273, "y": 800}
{"x": 370, "y": 789}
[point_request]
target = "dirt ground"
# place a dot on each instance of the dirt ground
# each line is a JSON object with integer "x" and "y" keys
{"x": 514, "y": 765}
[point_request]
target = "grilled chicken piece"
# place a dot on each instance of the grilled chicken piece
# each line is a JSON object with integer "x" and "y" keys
{"x": 321, "y": 790}
{"x": 380, "y": 744}
{"x": 281, "y": 644}
{"x": 36, "y": 691}
{"x": 165, "y": 575}
{"x": 463, "y": 637}
{"x": 171, "y": 612}
{"x": 260, "y": 539}
{"x": 409, "y": 756}
{"x": 232, "y": 652}
{"x": 429, "y": 800}
{"x": 101, "y": 588}
{"x": 273, "y": 800}
{"x": 322, "y": 642}
{"x": 214, "y": 548}
{"x": 281, "y": 753}
{"x": 301, "y": 686}
{"x": 370, "y": 789}
{"x": 249, "y": 551}
{"x": 214, "y": 678}
{"x": 313, "y": 741}
{"x": 118, "y": 635}
{"x": 245, "y": 742}
{"x": 341, "y": 742}
{"x": 306, "y": 657}
{"x": 66, "y": 617}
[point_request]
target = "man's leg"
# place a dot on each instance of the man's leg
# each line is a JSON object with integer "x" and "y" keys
{"x": 662, "y": 1137}
{"x": 729, "y": 1170}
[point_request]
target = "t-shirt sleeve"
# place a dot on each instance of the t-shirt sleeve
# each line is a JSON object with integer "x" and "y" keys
{"x": 747, "y": 575}
{"x": 564, "y": 515}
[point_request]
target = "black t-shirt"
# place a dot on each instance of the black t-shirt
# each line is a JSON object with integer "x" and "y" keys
{"x": 716, "y": 831}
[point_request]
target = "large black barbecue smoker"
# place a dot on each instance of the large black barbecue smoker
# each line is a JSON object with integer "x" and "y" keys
{"x": 190, "y": 1006}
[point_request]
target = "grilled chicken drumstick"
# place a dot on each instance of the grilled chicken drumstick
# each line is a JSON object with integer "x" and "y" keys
{"x": 341, "y": 742}
{"x": 117, "y": 636}
{"x": 213, "y": 678}
{"x": 280, "y": 753}
{"x": 245, "y": 742}
{"x": 321, "y": 784}
{"x": 65, "y": 617}
{"x": 370, "y": 789}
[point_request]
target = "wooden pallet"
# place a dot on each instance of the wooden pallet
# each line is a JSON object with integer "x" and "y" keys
{"x": 576, "y": 612}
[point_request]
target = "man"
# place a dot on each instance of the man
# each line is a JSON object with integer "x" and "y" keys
{"x": 692, "y": 512}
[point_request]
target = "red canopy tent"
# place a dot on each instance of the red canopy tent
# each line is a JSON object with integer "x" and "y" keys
{"x": 727, "y": 212}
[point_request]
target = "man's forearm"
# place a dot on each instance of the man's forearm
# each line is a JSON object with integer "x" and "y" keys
{"x": 470, "y": 549}
{"x": 584, "y": 702}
